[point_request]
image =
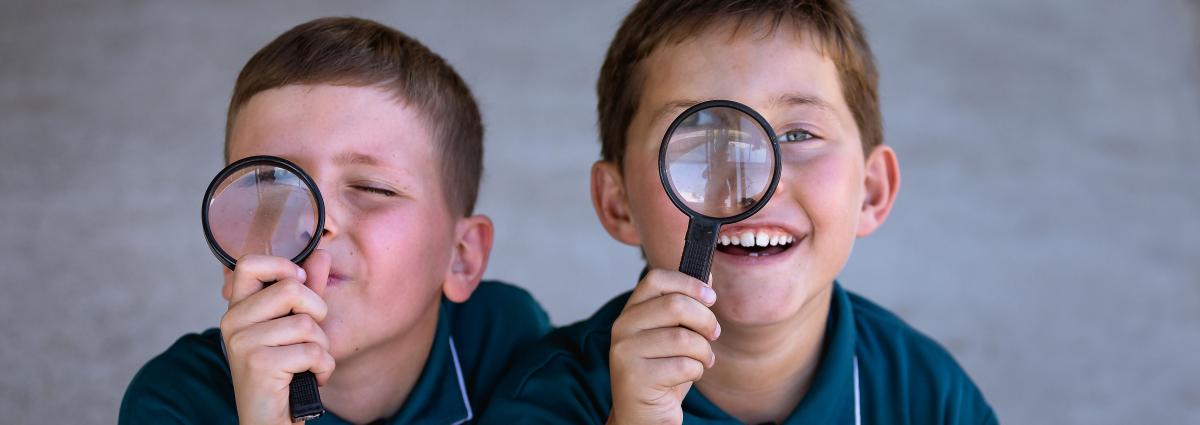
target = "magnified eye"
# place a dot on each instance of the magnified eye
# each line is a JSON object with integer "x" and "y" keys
{"x": 795, "y": 136}
{"x": 265, "y": 175}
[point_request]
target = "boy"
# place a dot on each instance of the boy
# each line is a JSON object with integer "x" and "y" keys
{"x": 389, "y": 311}
{"x": 775, "y": 339}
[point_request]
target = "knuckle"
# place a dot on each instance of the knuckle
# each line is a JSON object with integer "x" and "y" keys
{"x": 678, "y": 367}
{"x": 679, "y": 337}
{"x": 292, "y": 289}
{"x": 328, "y": 364}
{"x": 313, "y": 352}
{"x": 676, "y": 304}
{"x": 308, "y": 326}
{"x": 235, "y": 341}
{"x": 257, "y": 359}
{"x": 694, "y": 370}
{"x": 619, "y": 348}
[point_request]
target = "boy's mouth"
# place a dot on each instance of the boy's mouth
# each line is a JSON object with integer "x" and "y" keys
{"x": 754, "y": 241}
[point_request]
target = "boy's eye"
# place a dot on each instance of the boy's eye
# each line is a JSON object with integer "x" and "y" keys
{"x": 794, "y": 136}
{"x": 375, "y": 190}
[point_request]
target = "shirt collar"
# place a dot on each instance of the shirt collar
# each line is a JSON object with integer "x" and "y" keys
{"x": 440, "y": 394}
{"x": 830, "y": 398}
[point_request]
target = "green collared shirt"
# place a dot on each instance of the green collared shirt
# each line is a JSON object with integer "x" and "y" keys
{"x": 874, "y": 369}
{"x": 474, "y": 343}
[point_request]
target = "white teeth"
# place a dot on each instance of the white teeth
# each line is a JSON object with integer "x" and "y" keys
{"x": 762, "y": 239}
{"x": 758, "y": 238}
{"x": 747, "y": 239}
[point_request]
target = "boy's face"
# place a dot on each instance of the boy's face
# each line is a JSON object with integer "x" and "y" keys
{"x": 387, "y": 226}
{"x": 827, "y": 193}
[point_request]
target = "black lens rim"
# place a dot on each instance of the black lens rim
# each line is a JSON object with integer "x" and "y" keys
{"x": 662, "y": 160}
{"x": 274, "y": 161}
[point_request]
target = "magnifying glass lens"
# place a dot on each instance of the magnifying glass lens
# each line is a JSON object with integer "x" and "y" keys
{"x": 262, "y": 209}
{"x": 719, "y": 162}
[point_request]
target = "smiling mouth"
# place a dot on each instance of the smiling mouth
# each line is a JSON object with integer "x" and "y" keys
{"x": 754, "y": 242}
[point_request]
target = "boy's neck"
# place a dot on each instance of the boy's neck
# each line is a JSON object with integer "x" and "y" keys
{"x": 374, "y": 384}
{"x": 763, "y": 372}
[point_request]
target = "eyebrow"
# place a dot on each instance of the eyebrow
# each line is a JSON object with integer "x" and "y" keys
{"x": 355, "y": 158}
{"x": 794, "y": 99}
{"x": 788, "y": 99}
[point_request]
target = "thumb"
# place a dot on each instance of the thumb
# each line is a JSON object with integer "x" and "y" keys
{"x": 317, "y": 268}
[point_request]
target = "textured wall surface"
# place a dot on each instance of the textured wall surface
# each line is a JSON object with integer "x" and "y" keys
{"x": 1047, "y": 231}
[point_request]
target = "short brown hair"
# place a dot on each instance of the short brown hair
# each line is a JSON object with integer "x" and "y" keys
{"x": 653, "y": 23}
{"x": 359, "y": 52}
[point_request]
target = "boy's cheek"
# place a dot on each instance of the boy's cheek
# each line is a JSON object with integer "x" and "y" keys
{"x": 662, "y": 227}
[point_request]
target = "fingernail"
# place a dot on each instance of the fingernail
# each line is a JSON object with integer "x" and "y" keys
{"x": 303, "y": 274}
{"x": 717, "y": 332}
{"x": 712, "y": 359}
{"x": 708, "y": 295}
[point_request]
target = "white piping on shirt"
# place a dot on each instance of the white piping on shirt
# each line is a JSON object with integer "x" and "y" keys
{"x": 857, "y": 405}
{"x": 462, "y": 387}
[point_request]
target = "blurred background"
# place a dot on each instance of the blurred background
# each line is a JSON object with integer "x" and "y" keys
{"x": 1047, "y": 231}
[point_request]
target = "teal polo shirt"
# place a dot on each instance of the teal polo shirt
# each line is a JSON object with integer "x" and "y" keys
{"x": 474, "y": 343}
{"x": 874, "y": 369}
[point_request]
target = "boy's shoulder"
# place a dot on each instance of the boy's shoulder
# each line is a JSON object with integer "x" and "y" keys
{"x": 488, "y": 330}
{"x": 564, "y": 378}
{"x": 498, "y": 311}
{"x": 189, "y": 383}
{"x": 879, "y": 330}
{"x": 882, "y": 335}
{"x": 904, "y": 370}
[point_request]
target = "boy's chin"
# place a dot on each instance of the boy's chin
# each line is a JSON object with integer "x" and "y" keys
{"x": 762, "y": 300}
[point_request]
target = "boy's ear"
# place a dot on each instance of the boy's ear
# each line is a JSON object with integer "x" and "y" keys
{"x": 881, "y": 182}
{"x": 473, "y": 243}
{"x": 612, "y": 203}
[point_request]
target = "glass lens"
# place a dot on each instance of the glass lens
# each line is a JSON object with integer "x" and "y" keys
{"x": 262, "y": 209}
{"x": 719, "y": 162}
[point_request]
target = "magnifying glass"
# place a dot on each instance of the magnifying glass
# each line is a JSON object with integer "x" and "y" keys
{"x": 266, "y": 205}
{"x": 719, "y": 163}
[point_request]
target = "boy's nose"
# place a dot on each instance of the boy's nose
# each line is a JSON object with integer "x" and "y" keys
{"x": 332, "y": 222}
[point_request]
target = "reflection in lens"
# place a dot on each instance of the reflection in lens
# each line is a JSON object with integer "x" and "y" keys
{"x": 262, "y": 209}
{"x": 719, "y": 161}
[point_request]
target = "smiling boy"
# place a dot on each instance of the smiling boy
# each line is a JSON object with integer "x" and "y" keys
{"x": 390, "y": 311}
{"x": 775, "y": 339}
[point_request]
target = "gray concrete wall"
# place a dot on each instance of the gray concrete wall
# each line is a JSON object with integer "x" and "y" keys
{"x": 1047, "y": 232}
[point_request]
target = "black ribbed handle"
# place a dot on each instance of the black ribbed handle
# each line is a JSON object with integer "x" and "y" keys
{"x": 304, "y": 400}
{"x": 698, "y": 247}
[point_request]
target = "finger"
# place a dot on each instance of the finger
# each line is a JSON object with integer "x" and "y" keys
{"x": 659, "y": 282}
{"x": 673, "y": 371}
{"x": 664, "y": 343}
{"x": 286, "y": 361}
{"x": 253, "y": 271}
{"x": 317, "y": 268}
{"x": 668, "y": 311}
{"x": 278, "y": 300}
{"x": 288, "y": 330}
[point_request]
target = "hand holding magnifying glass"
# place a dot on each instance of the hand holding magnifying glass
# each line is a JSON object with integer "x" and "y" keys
{"x": 266, "y": 205}
{"x": 719, "y": 163}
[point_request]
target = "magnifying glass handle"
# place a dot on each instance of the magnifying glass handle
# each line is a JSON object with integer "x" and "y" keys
{"x": 698, "y": 247}
{"x": 303, "y": 399}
